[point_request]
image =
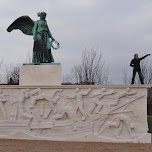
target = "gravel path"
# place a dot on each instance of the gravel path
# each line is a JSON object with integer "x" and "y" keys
{"x": 53, "y": 146}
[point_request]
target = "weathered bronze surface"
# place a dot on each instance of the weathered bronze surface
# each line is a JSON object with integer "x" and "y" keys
{"x": 41, "y": 34}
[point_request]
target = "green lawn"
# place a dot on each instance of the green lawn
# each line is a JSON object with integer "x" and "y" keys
{"x": 149, "y": 119}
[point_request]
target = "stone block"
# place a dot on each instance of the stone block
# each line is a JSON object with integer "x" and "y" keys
{"x": 40, "y": 75}
{"x": 75, "y": 113}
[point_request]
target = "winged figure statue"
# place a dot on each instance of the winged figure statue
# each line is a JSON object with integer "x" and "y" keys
{"x": 41, "y": 34}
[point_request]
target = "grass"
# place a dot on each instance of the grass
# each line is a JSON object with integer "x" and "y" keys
{"x": 149, "y": 119}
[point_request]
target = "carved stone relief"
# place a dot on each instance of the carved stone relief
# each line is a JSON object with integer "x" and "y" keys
{"x": 2, "y": 102}
{"x": 73, "y": 113}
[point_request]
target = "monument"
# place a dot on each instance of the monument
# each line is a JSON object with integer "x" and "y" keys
{"x": 44, "y": 111}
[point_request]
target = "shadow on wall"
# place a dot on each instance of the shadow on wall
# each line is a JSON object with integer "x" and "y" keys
{"x": 80, "y": 83}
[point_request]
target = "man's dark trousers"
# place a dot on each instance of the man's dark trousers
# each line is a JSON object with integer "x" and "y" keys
{"x": 140, "y": 76}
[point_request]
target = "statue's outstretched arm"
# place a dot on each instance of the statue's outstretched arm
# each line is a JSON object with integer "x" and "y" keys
{"x": 23, "y": 23}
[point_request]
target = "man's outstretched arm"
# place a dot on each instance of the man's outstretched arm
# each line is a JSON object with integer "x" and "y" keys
{"x": 144, "y": 56}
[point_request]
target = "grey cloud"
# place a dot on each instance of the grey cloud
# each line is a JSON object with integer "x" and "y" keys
{"x": 119, "y": 28}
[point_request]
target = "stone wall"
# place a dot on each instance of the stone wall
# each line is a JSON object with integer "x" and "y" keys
{"x": 74, "y": 113}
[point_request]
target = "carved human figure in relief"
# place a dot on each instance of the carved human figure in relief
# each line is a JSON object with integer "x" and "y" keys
{"x": 97, "y": 98}
{"x": 125, "y": 93}
{"x": 68, "y": 110}
{"x": 18, "y": 105}
{"x": 118, "y": 123}
{"x": 25, "y": 94}
{"x": 99, "y": 124}
{"x": 79, "y": 99}
{"x": 49, "y": 97}
{"x": 2, "y": 101}
{"x": 13, "y": 114}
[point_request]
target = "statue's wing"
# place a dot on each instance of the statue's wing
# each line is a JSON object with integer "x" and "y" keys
{"x": 23, "y": 23}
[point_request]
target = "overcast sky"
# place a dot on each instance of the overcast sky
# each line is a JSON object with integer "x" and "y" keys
{"x": 119, "y": 28}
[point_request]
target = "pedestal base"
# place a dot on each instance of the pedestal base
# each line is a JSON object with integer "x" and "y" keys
{"x": 40, "y": 75}
{"x": 48, "y": 113}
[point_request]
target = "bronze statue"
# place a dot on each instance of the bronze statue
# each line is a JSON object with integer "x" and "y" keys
{"x": 41, "y": 34}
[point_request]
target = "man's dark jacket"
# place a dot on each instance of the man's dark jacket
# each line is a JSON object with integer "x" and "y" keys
{"x": 136, "y": 63}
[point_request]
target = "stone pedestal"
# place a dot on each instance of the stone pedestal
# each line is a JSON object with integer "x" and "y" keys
{"x": 40, "y": 75}
{"x": 75, "y": 113}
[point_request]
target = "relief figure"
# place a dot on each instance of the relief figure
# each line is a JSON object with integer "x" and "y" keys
{"x": 25, "y": 94}
{"x": 125, "y": 93}
{"x": 2, "y": 101}
{"x": 118, "y": 122}
{"x": 97, "y": 98}
{"x": 51, "y": 98}
{"x": 68, "y": 110}
{"x": 79, "y": 99}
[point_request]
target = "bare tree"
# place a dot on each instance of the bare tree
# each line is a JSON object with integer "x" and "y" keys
{"x": 11, "y": 72}
{"x": 1, "y": 62}
{"x": 91, "y": 69}
{"x": 146, "y": 68}
{"x": 126, "y": 77}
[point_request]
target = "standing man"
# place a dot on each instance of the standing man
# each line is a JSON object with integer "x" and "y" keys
{"x": 135, "y": 63}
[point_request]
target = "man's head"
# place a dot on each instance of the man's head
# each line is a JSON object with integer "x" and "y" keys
{"x": 135, "y": 56}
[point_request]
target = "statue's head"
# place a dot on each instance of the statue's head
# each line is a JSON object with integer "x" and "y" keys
{"x": 128, "y": 89}
{"x": 26, "y": 95}
{"x": 77, "y": 90}
{"x": 103, "y": 90}
{"x": 42, "y": 15}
